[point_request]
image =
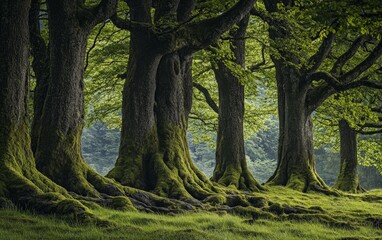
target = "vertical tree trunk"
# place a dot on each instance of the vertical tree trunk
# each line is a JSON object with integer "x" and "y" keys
{"x": 19, "y": 180}
{"x": 231, "y": 166}
{"x": 139, "y": 139}
{"x": 176, "y": 174}
{"x": 296, "y": 166}
{"x": 58, "y": 153}
{"x": 348, "y": 180}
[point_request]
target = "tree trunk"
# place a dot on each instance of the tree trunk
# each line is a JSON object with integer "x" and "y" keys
{"x": 20, "y": 182}
{"x": 296, "y": 166}
{"x": 58, "y": 153}
{"x": 231, "y": 166}
{"x": 348, "y": 180}
{"x": 139, "y": 139}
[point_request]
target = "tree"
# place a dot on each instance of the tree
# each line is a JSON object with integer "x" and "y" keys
{"x": 231, "y": 166}
{"x": 305, "y": 82}
{"x": 20, "y": 181}
{"x": 154, "y": 153}
{"x": 352, "y": 113}
{"x": 348, "y": 180}
{"x": 58, "y": 153}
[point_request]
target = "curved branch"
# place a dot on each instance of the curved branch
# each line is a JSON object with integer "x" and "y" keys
{"x": 345, "y": 57}
{"x": 364, "y": 65}
{"x": 317, "y": 59}
{"x": 204, "y": 33}
{"x": 207, "y": 96}
{"x": 95, "y": 15}
{"x": 93, "y": 45}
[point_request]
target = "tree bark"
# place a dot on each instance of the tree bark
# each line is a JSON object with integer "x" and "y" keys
{"x": 296, "y": 166}
{"x": 231, "y": 166}
{"x": 20, "y": 182}
{"x": 348, "y": 180}
{"x": 58, "y": 153}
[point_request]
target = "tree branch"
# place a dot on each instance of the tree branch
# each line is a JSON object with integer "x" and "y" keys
{"x": 207, "y": 96}
{"x": 339, "y": 86}
{"x": 364, "y": 65}
{"x": 260, "y": 64}
{"x": 345, "y": 57}
{"x": 316, "y": 60}
{"x": 204, "y": 33}
{"x": 104, "y": 10}
{"x": 93, "y": 45}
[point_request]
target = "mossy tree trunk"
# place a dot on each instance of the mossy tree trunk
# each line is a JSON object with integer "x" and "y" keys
{"x": 154, "y": 153}
{"x": 348, "y": 180}
{"x": 296, "y": 166}
{"x": 231, "y": 166}
{"x": 20, "y": 182}
{"x": 139, "y": 140}
{"x": 58, "y": 153}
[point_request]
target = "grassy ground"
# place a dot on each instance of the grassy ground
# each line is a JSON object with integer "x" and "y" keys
{"x": 361, "y": 213}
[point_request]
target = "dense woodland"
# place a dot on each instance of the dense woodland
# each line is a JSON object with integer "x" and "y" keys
{"x": 189, "y": 105}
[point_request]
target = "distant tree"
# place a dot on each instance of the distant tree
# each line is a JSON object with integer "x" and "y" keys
{"x": 307, "y": 74}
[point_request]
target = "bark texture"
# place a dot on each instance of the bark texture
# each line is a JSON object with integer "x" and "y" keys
{"x": 58, "y": 152}
{"x": 296, "y": 166}
{"x": 20, "y": 182}
{"x": 231, "y": 166}
{"x": 348, "y": 180}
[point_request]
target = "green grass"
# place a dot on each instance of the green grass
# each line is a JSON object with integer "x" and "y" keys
{"x": 353, "y": 209}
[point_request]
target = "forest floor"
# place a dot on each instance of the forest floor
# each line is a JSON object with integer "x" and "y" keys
{"x": 346, "y": 217}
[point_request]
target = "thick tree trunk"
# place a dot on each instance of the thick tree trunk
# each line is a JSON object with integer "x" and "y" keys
{"x": 296, "y": 166}
{"x": 174, "y": 171}
{"x": 348, "y": 180}
{"x": 231, "y": 166}
{"x": 58, "y": 153}
{"x": 139, "y": 139}
{"x": 20, "y": 182}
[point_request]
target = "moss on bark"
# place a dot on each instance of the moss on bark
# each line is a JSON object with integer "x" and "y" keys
{"x": 348, "y": 180}
{"x": 26, "y": 187}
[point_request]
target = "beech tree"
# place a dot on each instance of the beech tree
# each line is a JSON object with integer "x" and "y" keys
{"x": 350, "y": 117}
{"x": 21, "y": 183}
{"x": 305, "y": 82}
{"x": 231, "y": 166}
{"x": 154, "y": 153}
{"x": 58, "y": 153}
